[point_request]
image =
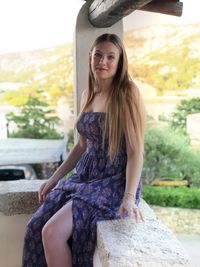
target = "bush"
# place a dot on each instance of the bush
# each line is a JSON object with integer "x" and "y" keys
{"x": 70, "y": 139}
{"x": 182, "y": 197}
{"x": 185, "y": 108}
{"x": 168, "y": 155}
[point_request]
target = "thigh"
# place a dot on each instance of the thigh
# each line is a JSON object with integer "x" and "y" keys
{"x": 54, "y": 201}
{"x": 61, "y": 223}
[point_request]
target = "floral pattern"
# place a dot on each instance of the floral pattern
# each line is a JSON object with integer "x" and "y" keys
{"x": 96, "y": 191}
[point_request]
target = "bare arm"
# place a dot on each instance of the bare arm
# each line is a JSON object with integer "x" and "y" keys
{"x": 68, "y": 165}
{"x": 72, "y": 159}
{"x": 134, "y": 150}
{"x": 133, "y": 171}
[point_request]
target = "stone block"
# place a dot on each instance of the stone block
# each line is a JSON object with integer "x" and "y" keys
{"x": 126, "y": 243}
{"x": 19, "y": 197}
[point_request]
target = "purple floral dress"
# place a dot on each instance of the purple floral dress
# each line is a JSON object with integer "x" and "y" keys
{"x": 96, "y": 191}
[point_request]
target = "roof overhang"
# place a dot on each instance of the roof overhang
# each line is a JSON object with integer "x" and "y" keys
{"x": 105, "y": 13}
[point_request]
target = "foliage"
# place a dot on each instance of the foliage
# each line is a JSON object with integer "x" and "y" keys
{"x": 168, "y": 155}
{"x": 186, "y": 107}
{"x": 12, "y": 76}
{"x": 182, "y": 197}
{"x": 70, "y": 139}
{"x": 22, "y": 95}
{"x": 34, "y": 121}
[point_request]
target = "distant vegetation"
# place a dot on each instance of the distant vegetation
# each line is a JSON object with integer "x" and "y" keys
{"x": 169, "y": 62}
{"x": 169, "y": 155}
{"x": 166, "y": 58}
{"x": 34, "y": 121}
{"x": 186, "y": 107}
{"x": 48, "y": 71}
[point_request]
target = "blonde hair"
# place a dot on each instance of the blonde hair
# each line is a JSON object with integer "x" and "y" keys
{"x": 124, "y": 101}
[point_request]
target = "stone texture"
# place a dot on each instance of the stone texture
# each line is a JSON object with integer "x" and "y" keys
{"x": 125, "y": 243}
{"x": 19, "y": 197}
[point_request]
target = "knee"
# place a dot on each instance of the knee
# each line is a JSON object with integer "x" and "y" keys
{"x": 48, "y": 234}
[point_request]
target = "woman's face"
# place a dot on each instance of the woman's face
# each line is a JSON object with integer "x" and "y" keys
{"x": 104, "y": 60}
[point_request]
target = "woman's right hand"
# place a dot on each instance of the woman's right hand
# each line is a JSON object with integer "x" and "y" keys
{"x": 45, "y": 188}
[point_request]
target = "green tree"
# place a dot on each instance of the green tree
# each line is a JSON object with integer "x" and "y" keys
{"x": 185, "y": 108}
{"x": 34, "y": 121}
{"x": 169, "y": 155}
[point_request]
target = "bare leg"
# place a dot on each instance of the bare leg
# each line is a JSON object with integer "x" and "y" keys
{"x": 55, "y": 234}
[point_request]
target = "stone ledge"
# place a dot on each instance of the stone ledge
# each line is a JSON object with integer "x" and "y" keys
{"x": 125, "y": 243}
{"x": 19, "y": 197}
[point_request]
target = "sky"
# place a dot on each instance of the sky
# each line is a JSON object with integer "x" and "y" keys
{"x": 35, "y": 24}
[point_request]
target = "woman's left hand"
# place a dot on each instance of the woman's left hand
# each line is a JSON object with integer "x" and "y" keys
{"x": 130, "y": 208}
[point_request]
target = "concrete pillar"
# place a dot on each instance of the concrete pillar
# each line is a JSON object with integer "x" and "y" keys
{"x": 84, "y": 36}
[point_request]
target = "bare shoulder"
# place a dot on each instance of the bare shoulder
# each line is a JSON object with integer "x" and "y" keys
{"x": 83, "y": 97}
{"x": 83, "y": 94}
{"x": 134, "y": 88}
{"x": 135, "y": 91}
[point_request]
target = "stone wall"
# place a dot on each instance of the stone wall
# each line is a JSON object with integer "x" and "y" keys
{"x": 179, "y": 220}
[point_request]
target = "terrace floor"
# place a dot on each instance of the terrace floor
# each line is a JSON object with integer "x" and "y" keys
{"x": 191, "y": 243}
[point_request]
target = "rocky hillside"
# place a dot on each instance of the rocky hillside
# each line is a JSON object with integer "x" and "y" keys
{"x": 165, "y": 57}
{"x": 53, "y": 64}
{"x": 46, "y": 71}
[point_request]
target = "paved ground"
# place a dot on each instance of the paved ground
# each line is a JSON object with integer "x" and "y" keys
{"x": 192, "y": 245}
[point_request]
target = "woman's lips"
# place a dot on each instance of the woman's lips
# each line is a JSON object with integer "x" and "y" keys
{"x": 101, "y": 69}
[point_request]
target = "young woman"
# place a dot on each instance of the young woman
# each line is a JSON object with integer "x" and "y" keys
{"x": 108, "y": 157}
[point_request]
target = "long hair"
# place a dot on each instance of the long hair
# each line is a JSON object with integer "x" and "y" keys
{"x": 125, "y": 115}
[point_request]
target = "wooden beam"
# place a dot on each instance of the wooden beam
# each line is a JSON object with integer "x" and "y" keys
{"x": 168, "y": 7}
{"x": 105, "y": 13}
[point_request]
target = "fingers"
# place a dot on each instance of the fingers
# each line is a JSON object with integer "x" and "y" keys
{"x": 42, "y": 193}
{"x": 141, "y": 216}
{"x": 41, "y": 198}
{"x": 138, "y": 215}
{"x": 122, "y": 212}
{"x": 132, "y": 213}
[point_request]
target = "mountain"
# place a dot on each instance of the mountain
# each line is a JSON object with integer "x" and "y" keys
{"x": 33, "y": 60}
{"x": 48, "y": 71}
{"x": 165, "y": 56}
{"x": 161, "y": 37}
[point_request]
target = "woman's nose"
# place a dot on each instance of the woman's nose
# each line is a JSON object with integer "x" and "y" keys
{"x": 102, "y": 60}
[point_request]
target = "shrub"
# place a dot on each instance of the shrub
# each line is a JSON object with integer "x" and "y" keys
{"x": 168, "y": 155}
{"x": 186, "y": 107}
{"x": 70, "y": 139}
{"x": 182, "y": 197}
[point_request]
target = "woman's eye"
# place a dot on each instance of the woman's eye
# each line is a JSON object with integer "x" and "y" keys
{"x": 97, "y": 54}
{"x": 110, "y": 57}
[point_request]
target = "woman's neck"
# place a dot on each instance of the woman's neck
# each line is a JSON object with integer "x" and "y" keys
{"x": 102, "y": 87}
